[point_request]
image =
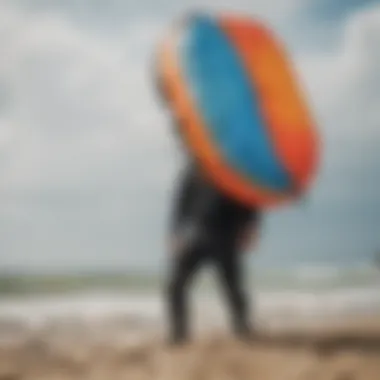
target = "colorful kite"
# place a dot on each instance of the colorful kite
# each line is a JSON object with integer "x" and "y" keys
{"x": 240, "y": 111}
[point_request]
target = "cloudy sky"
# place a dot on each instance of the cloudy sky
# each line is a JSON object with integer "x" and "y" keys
{"x": 87, "y": 162}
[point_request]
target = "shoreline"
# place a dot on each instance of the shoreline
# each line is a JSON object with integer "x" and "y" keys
{"x": 273, "y": 308}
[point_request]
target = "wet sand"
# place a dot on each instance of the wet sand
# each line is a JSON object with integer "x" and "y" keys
{"x": 348, "y": 349}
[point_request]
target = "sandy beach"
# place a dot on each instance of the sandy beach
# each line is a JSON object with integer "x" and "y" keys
{"x": 348, "y": 349}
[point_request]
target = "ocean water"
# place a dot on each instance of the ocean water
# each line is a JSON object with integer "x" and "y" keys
{"x": 317, "y": 277}
{"x": 304, "y": 292}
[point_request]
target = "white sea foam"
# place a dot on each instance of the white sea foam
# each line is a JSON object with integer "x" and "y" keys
{"x": 280, "y": 305}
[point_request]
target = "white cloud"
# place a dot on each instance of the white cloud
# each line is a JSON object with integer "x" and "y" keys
{"x": 84, "y": 104}
{"x": 344, "y": 89}
{"x": 344, "y": 85}
{"x": 80, "y": 142}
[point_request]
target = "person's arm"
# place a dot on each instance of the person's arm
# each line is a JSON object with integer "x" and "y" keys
{"x": 182, "y": 208}
{"x": 183, "y": 201}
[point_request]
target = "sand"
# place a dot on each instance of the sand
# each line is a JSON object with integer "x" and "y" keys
{"x": 348, "y": 349}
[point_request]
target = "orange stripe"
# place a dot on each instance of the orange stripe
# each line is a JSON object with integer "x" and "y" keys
{"x": 199, "y": 141}
{"x": 283, "y": 108}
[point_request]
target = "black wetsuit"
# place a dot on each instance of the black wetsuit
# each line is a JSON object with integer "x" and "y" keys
{"x": 211, "y": 223}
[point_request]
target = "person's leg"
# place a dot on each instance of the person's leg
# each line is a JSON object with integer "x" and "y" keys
{"x": 184, "y": 268}
{"x": 231, "y": 276}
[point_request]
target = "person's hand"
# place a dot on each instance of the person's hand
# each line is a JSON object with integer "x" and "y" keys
{"x": 179, "y": 240}
{"x": 175, "y": 244}
{"x": 245, "y": 241}
{"x": 248, "y": 240}
{"x": 182, "y": 238}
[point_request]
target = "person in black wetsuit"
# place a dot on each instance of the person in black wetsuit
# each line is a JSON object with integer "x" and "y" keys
{"x": 208, "y": 226}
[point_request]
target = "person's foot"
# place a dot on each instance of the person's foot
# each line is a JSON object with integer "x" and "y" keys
{"x": 247, "y": 337}
{"x": 177, "y": 340}
{"x": 246, "y": 334}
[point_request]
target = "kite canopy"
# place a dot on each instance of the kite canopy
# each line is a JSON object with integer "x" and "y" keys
{"x": 239, "y": 109}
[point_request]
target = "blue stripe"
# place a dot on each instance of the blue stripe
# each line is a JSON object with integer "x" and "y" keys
{"x": 228, "y": 104}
